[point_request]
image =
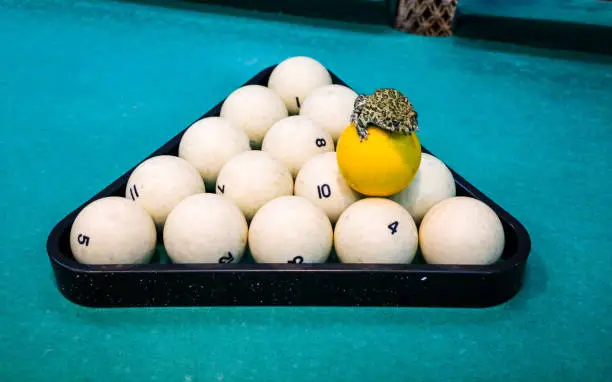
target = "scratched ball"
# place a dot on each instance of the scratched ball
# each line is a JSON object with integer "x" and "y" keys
{"x": 205, "y": 228}
{"x": 253, "y": 178}
{"x": 113, "y": 230}
{"x": 295, "y": 78}
{"x": 296, "y": 139}
{"x": 161, "y": 182}
{"x": 290, "y": 229}
{"x": 321, "y": 182}
{"x": 254, "y": 108}
{"x": 376, "y": 231}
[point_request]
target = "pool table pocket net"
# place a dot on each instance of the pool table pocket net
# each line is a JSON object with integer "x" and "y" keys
{"x": 426, "y": 17}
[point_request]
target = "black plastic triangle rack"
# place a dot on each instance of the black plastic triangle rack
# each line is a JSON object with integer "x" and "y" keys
{"x": 246, "y": 283}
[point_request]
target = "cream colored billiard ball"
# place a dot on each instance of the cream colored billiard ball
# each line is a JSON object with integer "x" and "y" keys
{"x": 376, "y": 231}
{"x": 113, "y": 230}
{"x": 205, "y": 228}
{"x": 296, "y": 139}
{"x": 253, "y": 178}
{"x": 209, "y": 143}
{"x": 321, "y": 182}
{"x": 290, "y": 229}
{"x": 461, "y": 230}
{"x": 432, "y": 183}
{"x": 295, "y": 78}
{"x": 161, "y": 182}
{"x": 330, "y": 106}
{"x": 254, "y": 108}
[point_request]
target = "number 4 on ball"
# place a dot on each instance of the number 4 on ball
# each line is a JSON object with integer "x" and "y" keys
{"x": 393, "y": 227}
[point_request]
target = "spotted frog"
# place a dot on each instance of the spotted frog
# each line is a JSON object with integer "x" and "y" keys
{"x": 385, "y": 108}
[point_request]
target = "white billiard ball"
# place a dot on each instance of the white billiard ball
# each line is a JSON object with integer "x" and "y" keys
{"x": 205, "y": 228}
{"x": 376, "y": 231}
{"x": 254, "y": 108}
{"x": 461, "y": 230}
{"x": 161, "y": 182}
{"x": 296, "y": 139}
{"x": 330, "y": 106}
{"x": 295, "y": 78}
{"x": 432, "y": 183}
{"x": 253, "y": 178}
{"x": 113, "y": 230}
{"x": 209, "y": 143}
{"x": 290, "y": 229}
{"x": 321, "y": 182}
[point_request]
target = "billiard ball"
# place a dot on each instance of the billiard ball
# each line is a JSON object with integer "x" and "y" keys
{"x": 161, "y": 182}
{"x": 254, "y": 108}
{"x": 295, "y": 78}
{"x": 205, "y": 228}
{"x": 381, "y": 165}
{"x": 331, "y": 107}
{"x": 290, "y": 229}
{"x": 113, "y": 230}
{"x": 321, "y": 182}
{"x": 376, "y": 231}
{"x": 253, "y": 178}
{"x": 432, "y": 183}
{"x": 461, "y": 230}
{"x": 209, "y": 143}
{"x": 296, "y": 139}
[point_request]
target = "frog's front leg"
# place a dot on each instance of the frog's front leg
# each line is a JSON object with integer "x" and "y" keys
{"x": 357, "y": 119}
{"x": 358, "y": 105}
{"x": 362, "y": 129}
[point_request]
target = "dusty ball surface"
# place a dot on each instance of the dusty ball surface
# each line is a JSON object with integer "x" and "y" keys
{"x": 432, "y": 183}
{"x": 113, "y": 230}
{"x": 461, "y": 230}
{"x": 296, "y": 139}
{"x": 295, "y": 78}
{"x": 376, "y": 231}
{"x": 161, "y": 182}
{"x": 321, "y": 182}
{"x": 290, "y": 229}
{"x": 253, "y": 178}
{"x": 205, "y": 228}
{"x": 254, "y": 108}
{"x": 209, "y": 143}
{"x": 330, "y": 106}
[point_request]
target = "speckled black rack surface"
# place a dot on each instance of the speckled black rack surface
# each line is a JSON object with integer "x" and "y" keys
{"x": 165, "y": 284}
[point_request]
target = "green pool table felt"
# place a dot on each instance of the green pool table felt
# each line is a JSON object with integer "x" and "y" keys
{"x": 88, "y": 88}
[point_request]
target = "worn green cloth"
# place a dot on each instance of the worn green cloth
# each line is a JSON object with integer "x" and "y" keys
{"x": 88, "y": 88}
